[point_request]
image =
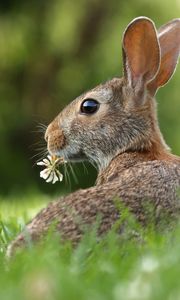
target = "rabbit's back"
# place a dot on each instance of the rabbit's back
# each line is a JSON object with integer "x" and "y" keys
{"x": 144, "y": 187}
{"x": 149, "y": 184}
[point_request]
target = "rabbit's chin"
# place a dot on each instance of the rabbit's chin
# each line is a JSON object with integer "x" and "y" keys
{"x": 75, "y": 158}
{"x": 70, "y": 157}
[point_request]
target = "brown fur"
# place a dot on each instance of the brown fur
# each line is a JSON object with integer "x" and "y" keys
{"x": 122, "y": 138}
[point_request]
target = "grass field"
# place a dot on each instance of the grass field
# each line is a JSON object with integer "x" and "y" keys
{"x": 147, "y": 267}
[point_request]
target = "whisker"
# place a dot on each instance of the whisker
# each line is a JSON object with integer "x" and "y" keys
{"x": 85, "y": 168}
{"x": 42, "y": 125}
{"x": 38, "y": 157}
{"x": 38, "y": 151}
{"x": 39, "y": 131}
{"x": 41, "y": 142}
{"x": 93, "y": 164}
{"x": 73, "y": 173}
{"x": 40, "y": 148}
{"x": 41, "y": 155}
{"x": 67, "y": 176}
{"x": 41, "y": 128}
{"x": 36, "y": 148}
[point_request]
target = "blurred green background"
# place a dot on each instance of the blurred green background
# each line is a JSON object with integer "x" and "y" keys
{"x": 52, "y": 51}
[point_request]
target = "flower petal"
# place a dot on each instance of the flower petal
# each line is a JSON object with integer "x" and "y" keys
{"x": 60, "y": 176}
{"x": 56, "y": 161}
{"x": 49, "y": 157}
{"x": 45, "y": 173}
{"x": 51, "y": 177}
{"x": 46, "y": 161}
{"x": 55, "y": 178}
{"x": 40, "y": 163}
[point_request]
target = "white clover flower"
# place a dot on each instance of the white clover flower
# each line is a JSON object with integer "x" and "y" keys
{"x": 51, "y": 173}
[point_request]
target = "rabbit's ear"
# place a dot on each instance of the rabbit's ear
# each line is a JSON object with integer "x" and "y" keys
{"x": 169, "y": 39}
{"x": 141, "y": 53}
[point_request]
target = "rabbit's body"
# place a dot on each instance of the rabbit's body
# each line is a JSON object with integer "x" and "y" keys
{"x": 137, "y": 184}
{"x": 115, "y": 127}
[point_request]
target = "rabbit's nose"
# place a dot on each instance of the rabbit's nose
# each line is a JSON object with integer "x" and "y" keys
{"x": 54, "y": 137}
{"x": 50, "y": 129}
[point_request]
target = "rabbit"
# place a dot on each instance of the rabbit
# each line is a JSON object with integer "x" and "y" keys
{"x": 115, "y": 126}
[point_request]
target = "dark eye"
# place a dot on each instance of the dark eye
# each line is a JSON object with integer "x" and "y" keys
{"x": 89, "y": 106}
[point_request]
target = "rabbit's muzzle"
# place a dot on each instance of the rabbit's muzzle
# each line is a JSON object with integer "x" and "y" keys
{"x": 54, "y": 137}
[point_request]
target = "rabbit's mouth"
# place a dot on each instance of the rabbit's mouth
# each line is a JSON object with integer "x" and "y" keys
{"x": 74, "y": 157}
{"x": 69, "y": 155}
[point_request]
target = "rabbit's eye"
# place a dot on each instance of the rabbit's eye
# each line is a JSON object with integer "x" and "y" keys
{"x": 89, "y": 106}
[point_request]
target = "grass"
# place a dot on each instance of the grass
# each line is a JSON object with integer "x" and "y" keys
{"x": 115, "y": 267}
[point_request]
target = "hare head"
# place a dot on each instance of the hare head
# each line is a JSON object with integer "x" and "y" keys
{"x": 120, "y": 114}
